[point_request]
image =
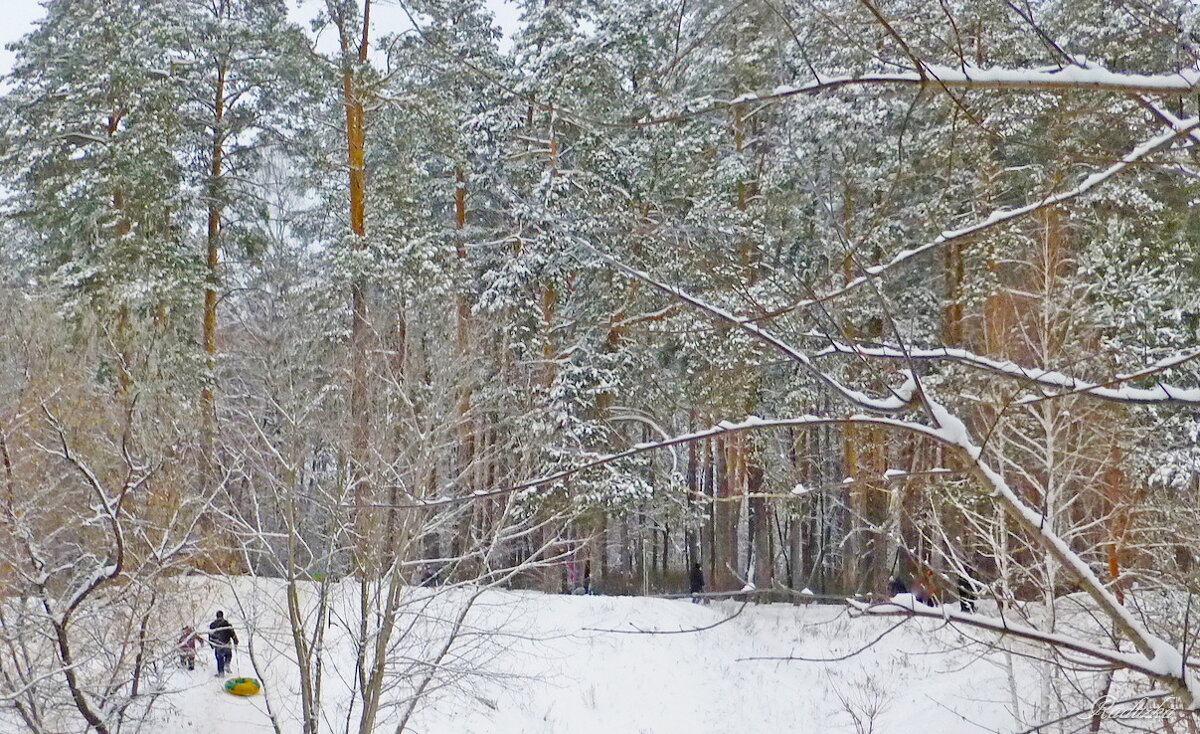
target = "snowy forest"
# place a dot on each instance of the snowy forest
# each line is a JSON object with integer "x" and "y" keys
{"x": 886, "y": 305}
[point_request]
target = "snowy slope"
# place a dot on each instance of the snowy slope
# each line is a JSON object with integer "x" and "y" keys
{"x": 564, "y": 664}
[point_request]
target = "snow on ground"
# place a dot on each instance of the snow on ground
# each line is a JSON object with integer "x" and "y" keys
{"x": 568, "y": 664}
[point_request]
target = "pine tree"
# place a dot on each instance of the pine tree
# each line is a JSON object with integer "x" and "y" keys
{"x": 239, "y": 68}
{"x": 93, "y": 145}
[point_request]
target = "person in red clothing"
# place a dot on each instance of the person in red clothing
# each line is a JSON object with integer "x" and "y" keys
{"x": 925, "y": 589}
{"x": 189, "y": 642}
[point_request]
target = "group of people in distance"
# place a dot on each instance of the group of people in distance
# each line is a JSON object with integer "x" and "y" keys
{"x": 925, "y": 589}
{"x": 221, "y": 638}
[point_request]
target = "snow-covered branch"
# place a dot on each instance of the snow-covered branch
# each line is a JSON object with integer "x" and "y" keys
{"x": 906, "y": 605}
{"x": 723, "y": 427}
{"x": 967, "y": 76}
{"x": 1164, "y": 661}
{"x": 900, "y": 399}
{"x": 1183, "y": 128}
{"x": 1050, "y": 379}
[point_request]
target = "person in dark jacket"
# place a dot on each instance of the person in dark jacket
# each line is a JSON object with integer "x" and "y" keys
{"x": 966, "y": 594}
{"x": 222, "y": 639}
{"x": 696, "y": 582}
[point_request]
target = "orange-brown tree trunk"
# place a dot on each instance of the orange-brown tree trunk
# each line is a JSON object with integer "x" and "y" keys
{"x": 212, "y": 263}
{"x": 732, "y": 490}
{"x": 549, "y": 303}
{"x": 953, "y": 273}
{"x": 1114, "y": 480}
{"x": 353, "y": 93}
{"x": 465, "y": 429}
{"x": 124, "y": 356}
{"x": 854, "y": 545}
{"x": 463, "y": 326}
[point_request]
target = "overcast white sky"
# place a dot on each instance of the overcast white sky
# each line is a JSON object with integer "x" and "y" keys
{"x": 18, "y": 16}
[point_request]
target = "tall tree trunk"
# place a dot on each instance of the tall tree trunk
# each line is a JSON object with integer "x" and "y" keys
{"x": 549, "y": 303}
{"x": 208, "y": 415}
{"x": 353, "y": 61}
{"x": 223, "y": 561}
{"x": 878, "y": 515}
{"x": 465, "y": 429}
{"x": 1114, "y": 479}
{"x": 760, "y": 527}
{"x": 797, "y": 448}
{"x": 729, "y": 496}
{"x": 549, "y": 300}
{"x": 953, "y": 273}
{"x": 122, "y": 227}
{"x": 707, "y": 487}
{"x": 694, "y": 498}
{"x": 854, "y": 545}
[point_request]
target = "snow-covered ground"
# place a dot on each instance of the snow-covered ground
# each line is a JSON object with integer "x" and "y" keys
{"x": 578, "y": 665}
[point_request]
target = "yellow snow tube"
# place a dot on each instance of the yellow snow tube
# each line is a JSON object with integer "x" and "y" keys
{"x": 242, "y": 686}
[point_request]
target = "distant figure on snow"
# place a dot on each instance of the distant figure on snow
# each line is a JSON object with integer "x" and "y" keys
{"x": 966, "y": 594}
{"x": 587, "y": 577}
{"x": 572, "y": 576}
{"x": 696, "y": 583}
{"x": 189, "y": 641}
{"x": 924, "y": 588}
{"x": 222, "y": 639}
{"x": 432, "y": 574}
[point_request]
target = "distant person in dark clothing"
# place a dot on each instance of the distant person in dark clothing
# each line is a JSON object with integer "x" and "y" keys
{"x": 222, "y": 639}
{"x": 587, "y": 577}
{"x": 966, "y": 595}
{"x": 434, "y": 574}
{"x": 696, "y": 583}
